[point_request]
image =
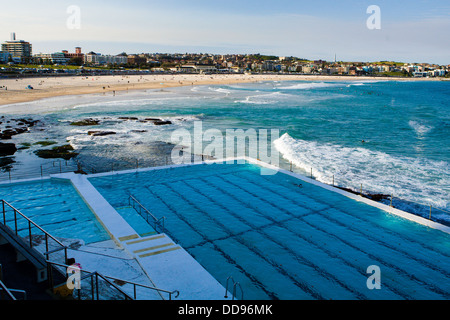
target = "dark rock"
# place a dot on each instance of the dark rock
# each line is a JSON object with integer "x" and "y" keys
{"x": 5, "y": 162}
{"x": 162, "y": 123}
{"x": 378, "y": 197}
{"x": 139, "y": 131}
{"x": 85, "y": 122}
{"x": 7, "y": 149}
{"x": 62, "y": 152}
{"x": 100, "y": 133}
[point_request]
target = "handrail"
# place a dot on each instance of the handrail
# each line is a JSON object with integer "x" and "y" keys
{"x": 96, "y": 274}
{"x": 156, "y": 220}
{"x": 43, "y": 170}
{"x": 367, "y": 193}
{"x": 234, "y": 290}
{"x": 235, "y": 284}
{"x": 30, "y": 222}
{"x": 174, "y": 293}
{"x": 7, "y": 292}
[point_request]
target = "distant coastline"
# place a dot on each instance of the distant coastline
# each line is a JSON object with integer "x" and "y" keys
{"x": 14, "y": 91}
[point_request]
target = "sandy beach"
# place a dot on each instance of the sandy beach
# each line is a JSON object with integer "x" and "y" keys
{"x": 15, "y": 90}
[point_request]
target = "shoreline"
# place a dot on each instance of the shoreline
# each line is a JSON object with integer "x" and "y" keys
{"x": 49, "y": 87}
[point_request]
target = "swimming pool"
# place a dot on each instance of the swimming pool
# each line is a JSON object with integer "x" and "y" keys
{"x": 283, "y": 238}
{"x": 56, "y": 207}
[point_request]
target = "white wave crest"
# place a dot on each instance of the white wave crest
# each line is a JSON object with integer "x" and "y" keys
{"x": 421, "y": 129}
{"x": 419, "y": 180}
{"x": 310, "y": 85}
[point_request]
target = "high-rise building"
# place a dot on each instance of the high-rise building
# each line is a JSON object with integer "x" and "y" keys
{"x": 20, "y": 50}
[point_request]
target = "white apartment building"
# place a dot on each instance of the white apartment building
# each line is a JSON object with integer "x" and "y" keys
{"x": 96, "y": 58}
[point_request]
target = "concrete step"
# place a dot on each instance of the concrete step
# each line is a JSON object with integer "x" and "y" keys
{"x": 150, "y": 246}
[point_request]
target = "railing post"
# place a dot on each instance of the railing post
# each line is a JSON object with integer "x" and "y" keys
{"x": 50, "y": 275}
{"x": 46, "y": 244}
{"x": 226, "y": 286}
{"x": 96, "y": 285}
{"x": 92, "y": 287}
{"x": 29, "y": 233}
{"x": 4, "y": 212}
{"x": 15, "y": 220}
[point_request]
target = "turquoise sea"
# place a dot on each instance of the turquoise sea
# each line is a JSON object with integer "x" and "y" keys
{"x": 388, "y": 137}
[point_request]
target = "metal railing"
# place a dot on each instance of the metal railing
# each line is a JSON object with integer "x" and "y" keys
{"x": 16, "y": 215}
{"x": 41, "y": 171}
{"x": 132, "y": 201}
{"x": 413, "y": 207}
{"x": 235, "y": 285}
{"x": 93, "y": 276}
{"x": 7, "y": 294}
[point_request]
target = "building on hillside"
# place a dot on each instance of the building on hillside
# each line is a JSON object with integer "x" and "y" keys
{"x": 5, "y": 57}
{"x": 196, "y": 68}
{"x": 53, "y": 58}
{"x": 99, "y": 59}
{"x": 20, "y": 50}
{"x": 72, "y": 55}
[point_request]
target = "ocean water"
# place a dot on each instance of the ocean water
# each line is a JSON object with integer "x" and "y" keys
{"x": 388, "y": 137}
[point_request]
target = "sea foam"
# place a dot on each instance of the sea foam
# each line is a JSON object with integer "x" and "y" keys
{"x": 419, "y": 180}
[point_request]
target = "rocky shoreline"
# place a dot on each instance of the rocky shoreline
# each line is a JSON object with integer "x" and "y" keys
{"x": 12, "y": 127}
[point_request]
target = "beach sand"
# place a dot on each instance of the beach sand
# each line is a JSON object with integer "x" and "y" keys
{"x": 46, "y": 87}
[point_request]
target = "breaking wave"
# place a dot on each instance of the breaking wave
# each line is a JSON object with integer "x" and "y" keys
{"x": 418, "y": 180}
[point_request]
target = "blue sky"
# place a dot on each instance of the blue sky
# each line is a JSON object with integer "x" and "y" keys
{"x": 411, "y": 30}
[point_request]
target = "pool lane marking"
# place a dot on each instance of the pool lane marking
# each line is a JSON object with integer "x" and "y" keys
{"x": 253, "y": 279}
{"x": 324, "y": 273}
{"x": 326, "y": 251}
{"x": 401, "y": 236}
{"x": 299, "y": 283}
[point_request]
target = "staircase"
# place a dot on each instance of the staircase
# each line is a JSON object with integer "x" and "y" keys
{"x": 147, "y": 247}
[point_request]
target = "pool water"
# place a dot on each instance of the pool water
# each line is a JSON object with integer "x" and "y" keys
{"x": 283, "y": 238}
{"x": 56, "y": 207}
